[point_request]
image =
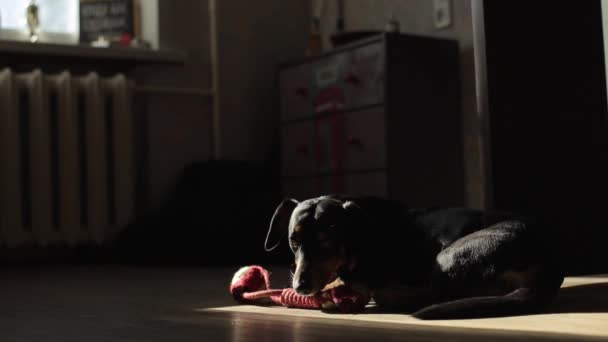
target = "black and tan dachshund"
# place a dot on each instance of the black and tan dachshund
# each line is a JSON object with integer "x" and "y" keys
{"x": 438, "y": 263}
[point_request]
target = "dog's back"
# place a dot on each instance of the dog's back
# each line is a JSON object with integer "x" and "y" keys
{"x": 491, "y": 263}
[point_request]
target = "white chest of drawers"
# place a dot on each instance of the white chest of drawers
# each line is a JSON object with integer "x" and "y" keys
{"x": 378, "y": 117}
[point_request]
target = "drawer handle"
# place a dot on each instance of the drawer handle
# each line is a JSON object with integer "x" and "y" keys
{"x": 302, "y": 92}
{"x": 302, "y": 150}
{"x": 355, "y": 142}
{"x": 352, "y": 79}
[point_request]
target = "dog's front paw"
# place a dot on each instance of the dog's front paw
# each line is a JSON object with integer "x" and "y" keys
{"x": 349, "y": 301}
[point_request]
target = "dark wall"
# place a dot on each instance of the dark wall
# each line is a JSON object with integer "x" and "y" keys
{"x": 218, "y": 215}
{"x": 547, "y": 95}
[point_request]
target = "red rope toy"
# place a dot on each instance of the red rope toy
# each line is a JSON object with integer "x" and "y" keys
{"x": 252, "y": 283}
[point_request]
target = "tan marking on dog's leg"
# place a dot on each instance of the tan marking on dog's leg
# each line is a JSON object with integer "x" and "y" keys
{"x": 519, "y": 279}
{"x": 298, "y": 229}
{"x": 336, "y": 283}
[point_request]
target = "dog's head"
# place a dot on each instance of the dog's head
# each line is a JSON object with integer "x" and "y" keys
{"x": 317, "y": 230}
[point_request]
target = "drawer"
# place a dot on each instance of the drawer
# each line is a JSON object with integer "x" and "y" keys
{"x": 349, "y": 80}
{"x": 363, "y": 79}
{"x": 296, "y": 92}
{"x": 373, "y": 184}
{"x": 328, "y": 83}
{"x": 297, "y": 149}
{"x": 365, "y": 134}
{"x": 352, "y": 141}
{"x": 330, "y": 143}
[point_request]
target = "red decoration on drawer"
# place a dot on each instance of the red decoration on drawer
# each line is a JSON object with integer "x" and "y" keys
{"x": 330, "y": 100}
{"x": 355, "y": 142}
{"x": 352, "y": 79}
{"x": 302, "y": 92}
{"x": 302, "y": 150}
{"x": 330, "y": 138}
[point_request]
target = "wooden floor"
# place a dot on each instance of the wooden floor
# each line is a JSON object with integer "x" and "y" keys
{"x": 130, "y": 304}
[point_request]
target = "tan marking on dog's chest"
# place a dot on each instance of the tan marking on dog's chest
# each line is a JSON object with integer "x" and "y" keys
{"x": 336, "y": 283}
{"x": 518, "y": 279}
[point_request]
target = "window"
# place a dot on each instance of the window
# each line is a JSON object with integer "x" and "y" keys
{"x": 58, "y": 19}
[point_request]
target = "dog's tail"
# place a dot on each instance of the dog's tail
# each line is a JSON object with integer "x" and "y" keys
{"x": 520, "y": 301}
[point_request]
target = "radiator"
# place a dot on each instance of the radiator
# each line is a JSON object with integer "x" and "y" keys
{"x": 67, "y": 172}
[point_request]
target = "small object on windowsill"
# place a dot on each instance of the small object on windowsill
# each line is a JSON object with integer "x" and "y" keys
{"x": 125, "y": 42}
{"x": 101, "y": 42}
{"x": 314, "y": 47}
{"x": 125, "y": 39}
{"x": 392, "y": 25}
{"x": 109, "y": 18}
{"x": 340, "y": 18}
{"x": 32, "y": 16}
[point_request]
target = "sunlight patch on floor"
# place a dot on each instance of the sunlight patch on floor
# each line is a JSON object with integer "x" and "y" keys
{"x": 572, "y": 314}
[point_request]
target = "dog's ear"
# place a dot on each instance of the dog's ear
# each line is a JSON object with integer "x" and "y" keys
{"x": 353, "y": 209}
{"x": 350, "y": 206}
{"x": 280, "y": 222}
{"x": 356, "y": 214}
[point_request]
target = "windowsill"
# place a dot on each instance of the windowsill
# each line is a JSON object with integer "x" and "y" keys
{"x": 90, "y": 54}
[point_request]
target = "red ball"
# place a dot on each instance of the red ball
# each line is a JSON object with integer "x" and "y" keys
{"x": 249, "y": 279}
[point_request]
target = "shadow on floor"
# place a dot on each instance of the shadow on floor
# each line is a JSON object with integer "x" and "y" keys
{"x": 587, "y": 298}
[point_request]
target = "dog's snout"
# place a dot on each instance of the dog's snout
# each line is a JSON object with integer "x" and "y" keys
{"x": 303, "y": 283}
{"x": 304, "y": 288}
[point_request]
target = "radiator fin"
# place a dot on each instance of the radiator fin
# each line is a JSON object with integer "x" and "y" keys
{"x": 11, "y": 223}
{"x": 39, "y": 157}
{"x": 117, "y": 89}
{"x": 67, "y": 156}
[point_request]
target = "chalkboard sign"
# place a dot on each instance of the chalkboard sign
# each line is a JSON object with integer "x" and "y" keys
{"x": 108, "y": 18}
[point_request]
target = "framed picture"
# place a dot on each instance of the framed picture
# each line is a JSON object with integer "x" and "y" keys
{"x": 114, "y": 20}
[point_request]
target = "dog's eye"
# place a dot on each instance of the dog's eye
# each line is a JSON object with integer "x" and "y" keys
{"x": 294, "y": 244}
{"x": 327, "y": 244}
{"x": 324, "y": 240}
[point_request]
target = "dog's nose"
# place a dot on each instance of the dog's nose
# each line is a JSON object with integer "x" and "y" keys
{"x": 304, "y": 291}
{"x": 304, "y": 288}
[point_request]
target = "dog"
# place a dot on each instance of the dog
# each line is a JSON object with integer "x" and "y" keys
{"x": 439, "y": 263}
